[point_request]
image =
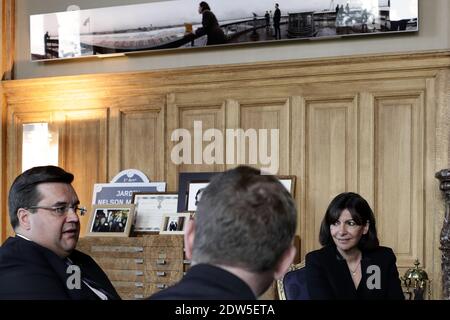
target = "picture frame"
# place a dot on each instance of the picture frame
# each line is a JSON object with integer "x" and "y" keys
{"x": 184, "y": 180}
{"x": 177, "y": 25}
{"x": 174, "y": 223}
{"x": 289, "y": 183}
{"x": 195, "y": 189}
{"x": 150, "y": 208}
{"x": 110, "y": 220}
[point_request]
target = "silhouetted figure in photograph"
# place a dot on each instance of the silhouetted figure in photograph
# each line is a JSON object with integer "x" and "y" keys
{"x": 46, "y": 44}
{"x": 255, "y": 22}
{"x": 173, "y": 226}
{"x": 198, "y": 195}
{"x": 210, "y": 26}
{"x": 276, "y": 22}
{"x": 104, "y": 225}
{"x": 98, "y": 222}
{"x": 364, "y": 18}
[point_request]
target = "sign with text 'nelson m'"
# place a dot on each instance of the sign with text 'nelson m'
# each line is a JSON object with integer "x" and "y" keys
{"x": 182, "y": 24}
{"x": 122, "y": 193}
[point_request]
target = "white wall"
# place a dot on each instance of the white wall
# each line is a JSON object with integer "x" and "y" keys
{"x": 434, "y": 26}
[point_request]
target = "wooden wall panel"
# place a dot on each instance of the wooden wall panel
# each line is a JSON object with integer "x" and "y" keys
{"x": 266, "y": 115}
{"x": 200, "y": 117}
{"x": 83, "y": 151}
{"x": 399, "y": 149}
{"x": 8, "y": 13}
{"x": 4, "y": 222}
{"x": 141, "y": 143}
{"x": 331, "y": 165}
{"x": 377, "y": 125}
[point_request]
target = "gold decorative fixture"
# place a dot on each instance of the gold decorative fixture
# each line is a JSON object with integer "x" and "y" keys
{"x": 417, "y": 283}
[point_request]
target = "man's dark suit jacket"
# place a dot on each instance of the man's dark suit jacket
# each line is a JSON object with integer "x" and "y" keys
{"x": 207, "y": 282}
{"x": 277, "y": 17}
{"x": 30, "y": 271}
{"x": 328, "y": 276}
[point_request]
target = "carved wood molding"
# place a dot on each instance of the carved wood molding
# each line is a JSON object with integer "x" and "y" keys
{"x": 105, "y": 86}
{"x": 444, "y": 177}
{"x": 8, "y": 38}
{"x": 7, "y": 58}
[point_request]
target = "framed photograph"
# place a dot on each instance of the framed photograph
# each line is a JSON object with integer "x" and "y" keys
{"x": 195, "y": 190}
{"x": 195, "y": 181}
{"x": 182, "y": 24}
{"x": 111, "y": 221}
{"x": 289, "y": 183}
{"x": 174, "y": 223}
{"x": 149, "y": 209}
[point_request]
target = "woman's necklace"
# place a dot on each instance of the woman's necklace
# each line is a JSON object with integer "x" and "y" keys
{"x": 356, "y": 269}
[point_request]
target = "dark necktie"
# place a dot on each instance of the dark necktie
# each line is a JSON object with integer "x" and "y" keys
{"x": 91, "y": 283}
{"x": 96, "y": 286}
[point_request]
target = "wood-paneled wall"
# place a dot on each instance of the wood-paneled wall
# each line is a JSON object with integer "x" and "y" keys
{"x": 376, "y": 125}
{"x": 7, "y": 13}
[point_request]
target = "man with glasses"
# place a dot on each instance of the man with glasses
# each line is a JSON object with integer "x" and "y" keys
{"x": 41, "y": 262}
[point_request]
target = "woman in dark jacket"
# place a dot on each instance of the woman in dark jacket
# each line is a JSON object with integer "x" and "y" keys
{"x": 210, "y": 26}
{"x": 351, "y": 264}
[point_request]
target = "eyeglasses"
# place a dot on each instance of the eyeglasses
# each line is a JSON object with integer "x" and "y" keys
{"x": 62, "y": 210}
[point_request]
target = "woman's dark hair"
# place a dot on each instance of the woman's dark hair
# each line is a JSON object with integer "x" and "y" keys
{"x": 204, "y": 6}
{"x": 361, "y": 214}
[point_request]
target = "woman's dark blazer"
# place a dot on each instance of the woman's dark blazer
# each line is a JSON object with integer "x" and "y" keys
{"x": 328, "y": 276}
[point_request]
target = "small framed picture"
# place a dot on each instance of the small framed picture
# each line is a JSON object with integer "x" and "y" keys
{"x": 195, "y": 190}
{"x": 289, "y": 183}
{"x": 185, "y": 180}
{"x": 174, "y": 223}
{"x": 149, "y": 209}
{"x": 111, "y": 221}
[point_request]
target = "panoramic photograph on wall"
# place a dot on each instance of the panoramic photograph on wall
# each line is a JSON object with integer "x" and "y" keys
{"x": 182, "y": 24}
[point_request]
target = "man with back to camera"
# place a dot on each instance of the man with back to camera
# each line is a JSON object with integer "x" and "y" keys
{"x": 240, "y": 240}
{"x": 41, "y": 262}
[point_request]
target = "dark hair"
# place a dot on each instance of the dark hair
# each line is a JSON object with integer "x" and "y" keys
{"x": 23, "y": 192}
{"x": 204, "y": 6}
{"x": 361, "y": 214}
{"x": 244, "y": 219}
{"x": 198, "y": 195}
